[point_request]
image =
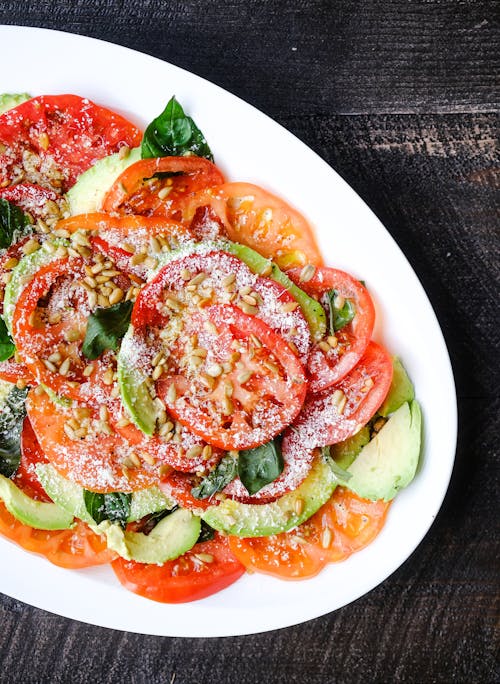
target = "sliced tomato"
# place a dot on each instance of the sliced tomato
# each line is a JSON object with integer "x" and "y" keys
{"x": 329, "y": 363}
{"x": 12, "y": 371}
{"x": 31, "y": 454}
{"x": 255, "y": 295}
{"x": 340, "y": 411}
{"x": 345, "y": 524}
{"x": 87, "y": 454}
{"x": 153, "y": 186}
{"x": 236, "y": 411}
{"x": 297, "y": 464}
{"x": 38, "y": 202}
{"x": 50, "y": 321}
{"x": 178, "y": 486}
{"x": 50, "y": 140}
{"x": 208, "y": 568}
{"x": 74, "y": 548}
{"x": 256, "y": 218}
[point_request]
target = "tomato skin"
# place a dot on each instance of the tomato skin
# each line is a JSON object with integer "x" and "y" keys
{"x": 320, "y": 423}
{"x": 11, "y": 371}
{"x": 131, "y": 193}
{"x": 256, "y": 218}
{"x": 30, "y": 198}
{"x": 31, "y": 454}
{"x": 66, "y": 132}
{"x": 325, "y": 369}
{"x": 344, "y": 525}
{"x": 73, "y": 548}
{"x": 178, "y": 486}
{"x": 182, "y": 580}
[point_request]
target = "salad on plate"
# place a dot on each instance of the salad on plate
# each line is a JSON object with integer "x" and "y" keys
{"x": 187, "y": 391}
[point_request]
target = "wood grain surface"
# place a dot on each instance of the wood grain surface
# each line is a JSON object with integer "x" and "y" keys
{"x": 402, "y": 99}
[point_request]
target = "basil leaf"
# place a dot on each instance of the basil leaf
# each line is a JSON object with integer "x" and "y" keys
{"x": 174, "y": 134}
{"x": 13, "y": 223}
{"x": 259, "y": 466}
{"x": 339, "y": 317}
{"x": 151, "y": 521}
{"x": 7, "y": 346}
{"x": 105, "y": 328}
{"x": 11, "y": 425}
{"x": 217, "y": 479}
{"x": 207, "y": 533}
{"x": 114, "y": 507}
{"x": 341, "y": 474}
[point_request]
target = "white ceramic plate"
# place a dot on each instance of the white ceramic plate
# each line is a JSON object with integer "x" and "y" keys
{"x": 249, "y": 146}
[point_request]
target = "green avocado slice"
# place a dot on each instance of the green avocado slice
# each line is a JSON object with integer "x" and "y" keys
{"x": 37, "y": 514}
{"x": 172, "y": 536}
{"x": 87, "y": 194}
{"x": 389, "y": 461}
{"x": 252, "y": 520}
{"x": 69, "y": 496}
{"x": 401, "y": 389}
{"x": 10, "y": 100}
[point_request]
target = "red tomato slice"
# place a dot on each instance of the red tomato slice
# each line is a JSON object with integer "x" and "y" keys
{"x": 31, "y": 454}
{"x": 255, "y": 295}
{"x": 340, "y": 411}
{"x": 178, "y": 486}
{"x": 342, "y": 526}
{"x": 208, "y": 568}
{"x": 298, "y": 461}
{"x": 235, "y": 411}
{"x": 327, "y": 363}
{"x": 87, "y": 454}
{"x": 260, "y": 220}
{"x": 14, "y": 372}
{"x": 50, "y": 140}
{"x": 74, "y": 548}
{"x": 40, "y": 203}
{"x": 50, "y": 321}
{"x": 138, "y": 190}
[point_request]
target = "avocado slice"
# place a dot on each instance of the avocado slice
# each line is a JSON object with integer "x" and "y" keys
{"x": 252, "y": 520}
{"x": 344, "y": 453}
{"x": 134, "y": 391}
{"x": 401, "y": 389}
{"x": 87, "y": 194}
{"x": 389, "y": 461}
{"x": 37, "y": 514}
{"x": 10, "y": 100}
{"x": 69, "y": 496}
{"x": 172, "y": 536}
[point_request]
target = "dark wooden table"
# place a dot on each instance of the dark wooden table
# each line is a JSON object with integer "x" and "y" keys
{"x": 400, "y": 97}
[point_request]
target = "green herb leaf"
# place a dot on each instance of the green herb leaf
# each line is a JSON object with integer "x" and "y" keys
{"x": 151, "y": 521}
{"x": 217, "y": 479}
{"x": 105, "y": 328}
{"x": 207, "y": 533}
{"x": 260, "y": 466}
{"x": 13, "y": 223}
{"x": 7, "y": 346}
{"x": 11, "y": 425}
{"x": 174, "y": 134}
{"x": 114, "y": 507}
{"x": 339, "y": 317}
{"x": 341, "y": 474}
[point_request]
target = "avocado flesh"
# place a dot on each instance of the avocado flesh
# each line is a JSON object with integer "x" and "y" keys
{"x": 389, "y": 461}
{"x": 253, "y": 520}
{"x": 37, "y": 514}
{"x": 10, "y": 100}
{"x": 21, "y": 275}
{"x": 69, "y": 496}
{"x": 172, "y": 536}
{"x": 401, "y": 389}
{"x": 344, "y": 453}
{"x": 87, "y": 194}
{"x": 134, "y": 391}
